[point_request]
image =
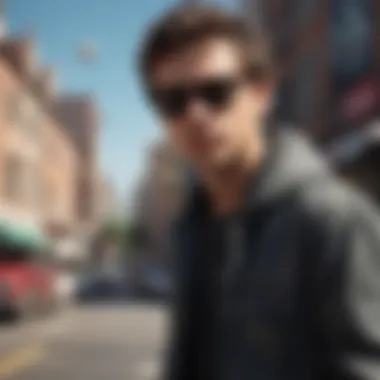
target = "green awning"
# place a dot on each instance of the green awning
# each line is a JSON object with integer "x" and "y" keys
{"x": 21, "y": 236}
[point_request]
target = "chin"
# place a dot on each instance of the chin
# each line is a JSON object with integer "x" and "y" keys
{"x": 216, "y": 162}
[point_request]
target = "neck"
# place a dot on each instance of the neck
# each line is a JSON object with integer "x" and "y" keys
{"x": 227, "y": 188}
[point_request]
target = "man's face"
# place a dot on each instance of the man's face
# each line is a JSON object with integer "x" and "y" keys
{"x": 210, "y": 108}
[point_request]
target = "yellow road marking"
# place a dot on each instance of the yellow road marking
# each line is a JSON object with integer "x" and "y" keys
{"x": 19, "y": 360}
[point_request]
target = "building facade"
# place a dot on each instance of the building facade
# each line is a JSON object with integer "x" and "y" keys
{"x": 160, "y": 195}
{"x": 329, "y": 58}
{"x": 158, "y": 200}
{"x": 108, "y": 205}
{"x": 38, "y": 162}
{"x": 79, "y": 117}
{"x": 298, "y": 30}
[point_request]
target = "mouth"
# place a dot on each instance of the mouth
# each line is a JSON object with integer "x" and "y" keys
{"x": 205, "y": 143}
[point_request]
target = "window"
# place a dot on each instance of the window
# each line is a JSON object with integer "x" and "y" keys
{"x": 24, "y": 114}
{"x": 308, "y": 85}
{"x": 305, "y": 12}
{"x": 352, "y": 33}
{"x": 256, "y": 12}
{"x": 85, "y": 199}
{"x": 34, "y": 185}
{"x": 296, "y": 16}
{"x": 284, "y": 107}
{"x": 14, "y": 110}
{"x": 32, "y": 121}
{"x": 14, "y": 173}
{"x": 23, "y": 182}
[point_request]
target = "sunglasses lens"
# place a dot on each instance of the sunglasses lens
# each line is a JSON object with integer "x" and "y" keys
{"x": 217, "y": 93}
{"x": 172, "y": 102}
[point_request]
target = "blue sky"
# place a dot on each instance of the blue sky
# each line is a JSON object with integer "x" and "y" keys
{"x": 115, "y": 27}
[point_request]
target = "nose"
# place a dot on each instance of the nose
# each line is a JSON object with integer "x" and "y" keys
{"x": 197, "y": 110}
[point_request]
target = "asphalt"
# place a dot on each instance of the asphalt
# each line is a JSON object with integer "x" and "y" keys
{"x": 89, "y": 342}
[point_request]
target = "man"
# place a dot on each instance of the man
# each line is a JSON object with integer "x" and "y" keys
{"x": 278, "y": 260}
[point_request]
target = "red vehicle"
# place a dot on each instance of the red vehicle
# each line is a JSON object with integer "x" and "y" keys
{"x": 27, "y": 282}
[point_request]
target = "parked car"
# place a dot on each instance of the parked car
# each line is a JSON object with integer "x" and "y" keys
{"x": 26, "y": 287}
{"x": 98, "y": 287}
{"x": 155, "y": 283}
{"x": 26, "y": 276}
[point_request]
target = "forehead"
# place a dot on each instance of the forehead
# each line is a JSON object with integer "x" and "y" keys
{"x": 209, "y": 58}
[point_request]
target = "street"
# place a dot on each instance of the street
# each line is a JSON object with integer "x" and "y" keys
{"x": 93, "y": 342}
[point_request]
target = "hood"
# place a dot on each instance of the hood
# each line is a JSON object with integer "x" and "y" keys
{"x": 291, "y": 162}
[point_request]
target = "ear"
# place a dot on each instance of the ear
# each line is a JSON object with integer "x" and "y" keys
{"x": 264, "y": 95}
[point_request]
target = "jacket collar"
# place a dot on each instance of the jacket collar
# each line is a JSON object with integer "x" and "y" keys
{"x": 290, "y": 162}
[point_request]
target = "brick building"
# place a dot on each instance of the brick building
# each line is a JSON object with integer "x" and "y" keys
{"x": 158, "y": 199}
{"x": 160, "y": 194}
{"x": 108, "y": 207}
{"x": 38, "y": 162}
{"x": 328, "y": 52}
{"x": 80, "y": 118}
{"x": 298, "y": 30}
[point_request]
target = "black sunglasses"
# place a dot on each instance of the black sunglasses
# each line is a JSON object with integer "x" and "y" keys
{"x": 216, "y": 93}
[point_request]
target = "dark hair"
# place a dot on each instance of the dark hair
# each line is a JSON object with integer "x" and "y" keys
{"x": 188, "y": 24}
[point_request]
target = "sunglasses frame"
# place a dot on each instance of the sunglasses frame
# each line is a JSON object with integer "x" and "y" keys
{"x": 196, "y": 91}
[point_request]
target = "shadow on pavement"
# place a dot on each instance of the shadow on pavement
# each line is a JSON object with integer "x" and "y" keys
{"x": 130, "y": 301}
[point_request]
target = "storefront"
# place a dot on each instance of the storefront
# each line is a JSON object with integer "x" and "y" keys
{"x": 357, "y": 158}
{"x": 355, "y": 94}
{"x": 22, "y": 237}
{"x": 69, "y": 245}
{"x": 356, "y": 152}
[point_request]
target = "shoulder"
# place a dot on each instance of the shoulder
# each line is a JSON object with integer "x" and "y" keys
{"x": 331, "y": 200}
{"x": 333, "y": 215}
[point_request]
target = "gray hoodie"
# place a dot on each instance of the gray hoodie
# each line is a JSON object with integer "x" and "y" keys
{"x": 300, "y": 292}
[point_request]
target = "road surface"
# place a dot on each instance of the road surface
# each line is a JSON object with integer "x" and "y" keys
{"x": 86, "y": 343}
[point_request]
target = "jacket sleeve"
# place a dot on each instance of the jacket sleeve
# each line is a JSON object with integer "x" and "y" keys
{"x": 348, "y": 291}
